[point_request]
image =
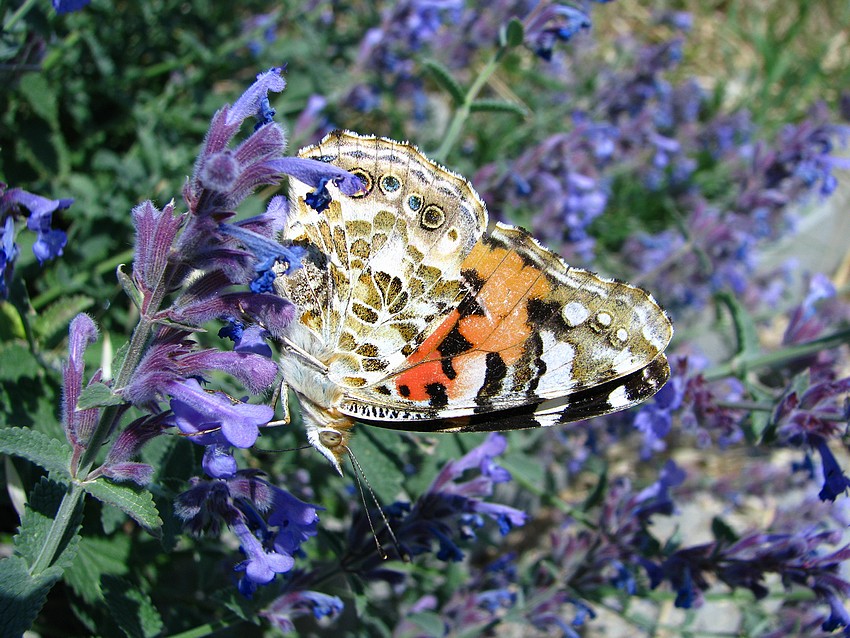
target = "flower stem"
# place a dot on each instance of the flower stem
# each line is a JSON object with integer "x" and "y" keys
{"x": 741, "y": 365}
{"x": 462, "y": 113}
{"x": 105, "y": 426}
{"x": 20, "y": 13}
{"x": 64, "y": 515}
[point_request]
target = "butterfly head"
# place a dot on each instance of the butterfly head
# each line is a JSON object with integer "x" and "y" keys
{"x": 332, "y": 441}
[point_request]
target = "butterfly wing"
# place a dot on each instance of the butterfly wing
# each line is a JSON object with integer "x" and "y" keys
{"x": 533, "y": 338}
{"x": 386, "y": 263}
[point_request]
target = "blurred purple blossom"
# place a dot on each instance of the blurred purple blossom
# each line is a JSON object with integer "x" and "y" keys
{"x": 49, "y": 243}
{"x": 283, "y": 609}
{"x": 449, "y": 510}
{"x": 270, "y": 523}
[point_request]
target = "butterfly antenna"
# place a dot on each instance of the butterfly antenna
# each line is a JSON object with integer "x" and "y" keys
{"x": 358, "y": 475}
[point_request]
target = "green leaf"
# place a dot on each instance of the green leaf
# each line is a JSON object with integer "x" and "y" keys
{"x": 95, "y": 558}
{"x": 129, "y": 286}
{"x": 98, "y": 395}
{"x": 41, "y": 96}
{"x": 499, "y": 106}
{"x": 131, "y": 608}
{"x": 11, "y": 324}
{"x": 135, "y": 501}
{"x": 428, "y": 623}
{"x": 446, "y": 80}
{"x": 52, "y": 321}
{"x": 512, "y": 34}
{"x": 378, "y": 454}
{"x": 722, "y": 532}
{"x": 37, "y": 524}
{"x": 22, "y": 595}
{"x": 51, "y": 454}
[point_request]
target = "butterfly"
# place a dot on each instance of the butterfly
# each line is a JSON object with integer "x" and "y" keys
{"x": 413, "y": 316}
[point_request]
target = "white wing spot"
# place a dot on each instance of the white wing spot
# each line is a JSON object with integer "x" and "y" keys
{"x": 575, "y": 313}
{"x": 618, "y": 398}
{"x": 622, "y": 335}
{"x": 604, "y": 319}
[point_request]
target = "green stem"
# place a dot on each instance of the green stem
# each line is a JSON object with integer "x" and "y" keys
{"x": 740, "y": 366}
{"x": 106, "y": 424}
{"x": 208, "y": 629}
{"x": 64, "y": 516}
{"x": 20, "y": 13}
{"x": 462, "y": 114}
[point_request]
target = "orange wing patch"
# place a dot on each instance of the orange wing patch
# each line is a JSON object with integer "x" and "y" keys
{"x": 456, "y": 359}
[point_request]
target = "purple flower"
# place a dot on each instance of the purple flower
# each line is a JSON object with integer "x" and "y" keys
{"x": 283, "y": 609}
{"x": 270, "y": 523}
{"x": 78, "y": 424}
{"x": 68, "y": 6}
{"x": 550, "y": 23}
{"x": 448, "y": 511}
{"x": 261, "y": 565}
{"x": 214, "y": 417}
{"x": 49, "y": 242}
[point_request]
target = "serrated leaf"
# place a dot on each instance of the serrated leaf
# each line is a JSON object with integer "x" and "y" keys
{"x": 513, "y": 34}
{"x": 446, "y": 80}
{"x": 96, "y": 557}
{"x": 135, "y": 501}
{"x": 37, "y": 523}
{"x": 98, "y": 395}
{"x": 17, "y": 362}
{"x": 51, "y": 454}
{"x": 131, "y": 608}
{"x": 53, "y": 320}
{"x": 498, "y": 106}
{"x": 22, "y": 595}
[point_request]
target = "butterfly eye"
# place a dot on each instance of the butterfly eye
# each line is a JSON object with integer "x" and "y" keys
{"x": 330, "y": 438}
{"x": 390, "y": 183}
{"x": 364, "y": 177}
{"x": 415, "y": 203}
{"x": 432, "y": 217}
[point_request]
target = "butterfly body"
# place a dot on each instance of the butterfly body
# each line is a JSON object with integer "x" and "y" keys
{"x": 413, "y": 316}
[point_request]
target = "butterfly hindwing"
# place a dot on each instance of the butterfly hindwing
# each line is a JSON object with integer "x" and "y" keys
{"x": 615, "y": 395}
{"x": 528, "y": 328}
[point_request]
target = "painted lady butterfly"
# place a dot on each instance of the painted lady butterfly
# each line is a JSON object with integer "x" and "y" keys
{"x": 413, "y": 317}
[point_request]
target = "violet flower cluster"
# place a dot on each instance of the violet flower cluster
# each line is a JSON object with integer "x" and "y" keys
{"x": 448, "y": 29}
{"x": 15, "y": 205}
{"x": 191, "y": 268}
{"x": 449, "y": 510}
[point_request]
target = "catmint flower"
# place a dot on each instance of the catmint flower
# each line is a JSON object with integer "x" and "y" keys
{"x": 449, "y": 510}
{"x": 78, "y": 424}
{"x": 49, "y": 242}
{"x": 69, "y": 6}
{"x": 552, "y": 22}
{"x": 283, "y": 609}
{"x": 213, "y": 417}
{"x": 270, "y": 524}
{"x": 811, "y": 418}
{"x": 117, "y": 464}
{"x": 172, "y": 358}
